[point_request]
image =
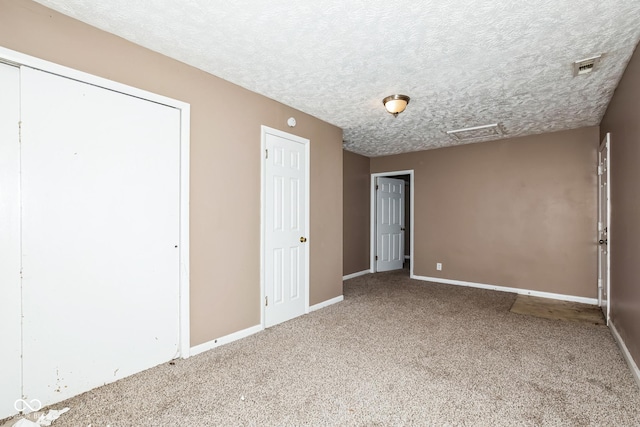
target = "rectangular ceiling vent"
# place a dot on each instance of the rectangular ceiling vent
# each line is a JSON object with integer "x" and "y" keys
{"x": 585, "y": 66}
{"x": 467, "y": 134}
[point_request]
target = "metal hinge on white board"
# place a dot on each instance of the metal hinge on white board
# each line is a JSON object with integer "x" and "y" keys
{"x": 20, "y": 132}
{"x": 600, "y": 170}
{"x": 266, "y": 301}
{"x": 266, "y": 154}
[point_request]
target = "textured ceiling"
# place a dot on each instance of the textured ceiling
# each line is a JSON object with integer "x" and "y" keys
{"x": 464, "y": 63}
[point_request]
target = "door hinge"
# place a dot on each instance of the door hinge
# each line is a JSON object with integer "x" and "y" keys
{"x": 266, "y": 154}
{"x": 376, "y": 257}
{"x": 377, "y": 186}
{"x": 600, "y": 171}
{"x": 20, "y": 132}
{"x": 266, "y": 301}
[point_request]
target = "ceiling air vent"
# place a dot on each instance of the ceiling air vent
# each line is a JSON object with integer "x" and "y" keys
{"x": 585, "y": 66}
{"x": 477, "y": 132}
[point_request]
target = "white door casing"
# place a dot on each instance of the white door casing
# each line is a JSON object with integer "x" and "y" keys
{"x": 10, "y": 264}
{"x": 390, "y": 218}
{"x": 604, "y": 224}
{"x": 285, "y": 226}
{"x": 100, "y": 233}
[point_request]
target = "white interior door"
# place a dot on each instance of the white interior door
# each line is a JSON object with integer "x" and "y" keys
{"x": 390, "y": 223}
{"x": 10, "y": 328}
{"x": 286, "y": 222}
{"x": 100, "y": 233}
{"x": 604, "y": 256}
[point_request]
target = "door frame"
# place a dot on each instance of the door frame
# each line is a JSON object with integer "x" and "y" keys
{"x": 19, "y": 59}
{"x": 605, "y": 144}
{"x": 264, "y": 131}
{"x": 373, "y": 242}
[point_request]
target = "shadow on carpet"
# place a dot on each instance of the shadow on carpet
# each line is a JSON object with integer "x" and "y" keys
{"x": 557, "y": 310}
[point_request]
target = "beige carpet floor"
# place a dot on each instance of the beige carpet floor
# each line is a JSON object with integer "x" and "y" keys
{"x": 395, "y": 352}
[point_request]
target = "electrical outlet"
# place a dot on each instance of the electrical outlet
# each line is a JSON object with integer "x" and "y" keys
{"x": 439, "y": 266}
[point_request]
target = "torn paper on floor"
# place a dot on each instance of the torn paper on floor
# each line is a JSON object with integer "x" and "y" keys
{"x": 43, "y": 421}
{"x": 51, "y": 416}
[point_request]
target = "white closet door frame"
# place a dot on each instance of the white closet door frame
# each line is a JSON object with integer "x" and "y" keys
{"x": 21, "y": 59}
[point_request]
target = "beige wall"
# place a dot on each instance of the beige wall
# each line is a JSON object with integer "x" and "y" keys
{"x": 518, "y": 212}
{"x": 356, "y": 216}
{"x": 622, "y": 119}
{"x": 225, "y": 141}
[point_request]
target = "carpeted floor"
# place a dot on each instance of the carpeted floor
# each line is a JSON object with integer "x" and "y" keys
{"x": 395, "y": 352}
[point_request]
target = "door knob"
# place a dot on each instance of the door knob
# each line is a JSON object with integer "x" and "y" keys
{"x": 603, "y": 242}
{"x": 303, "y": 239}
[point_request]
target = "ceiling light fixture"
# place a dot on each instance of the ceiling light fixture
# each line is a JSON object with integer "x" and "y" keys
{"x": 395, "y": 104}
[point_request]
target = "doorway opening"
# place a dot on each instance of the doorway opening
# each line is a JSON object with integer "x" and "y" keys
{"x": 392, "y": 246}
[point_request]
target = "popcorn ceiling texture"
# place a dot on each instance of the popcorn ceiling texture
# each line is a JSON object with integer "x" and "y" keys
{"x": 464, "y": 63}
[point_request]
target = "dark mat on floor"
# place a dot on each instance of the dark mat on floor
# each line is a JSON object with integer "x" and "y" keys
{"x": 557, "y": 310}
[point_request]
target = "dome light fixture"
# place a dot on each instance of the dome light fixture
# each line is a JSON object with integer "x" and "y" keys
{"x": 395, "y": 104}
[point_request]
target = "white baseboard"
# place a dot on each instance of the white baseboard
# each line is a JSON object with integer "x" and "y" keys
{"x": 326, "y": 303}
{"x": 250, "y": 331}
{"x": 200, "y": 348}
{"x": 625, "y": 353}
{"x": 562, "y": 297}
{"x": 358, "y": 274}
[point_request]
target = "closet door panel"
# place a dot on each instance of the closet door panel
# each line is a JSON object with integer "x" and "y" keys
{"x": 100, "y": 233}
{"x": 10, "y": 339}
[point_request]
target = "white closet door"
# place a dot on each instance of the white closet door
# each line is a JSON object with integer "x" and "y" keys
{"x": 100, "y": 186}
{"x": 10, "y": 366}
